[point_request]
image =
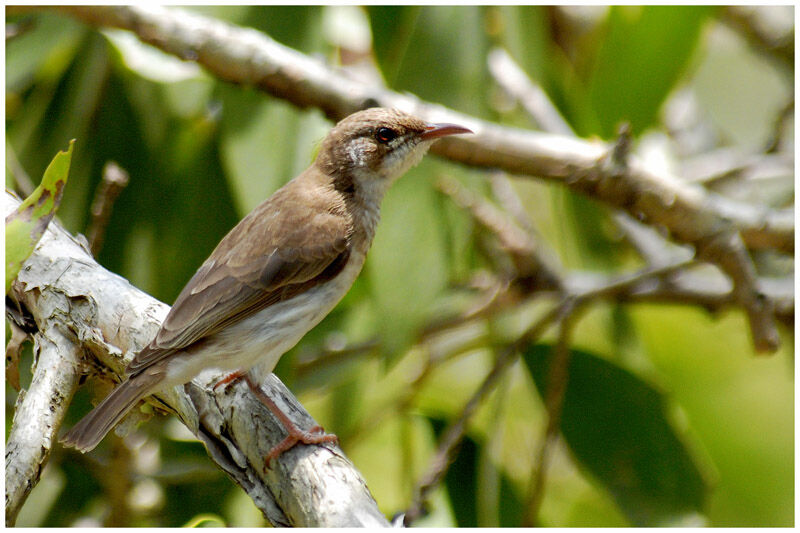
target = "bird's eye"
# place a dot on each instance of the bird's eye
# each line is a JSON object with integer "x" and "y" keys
{"x": 385, "y": 135}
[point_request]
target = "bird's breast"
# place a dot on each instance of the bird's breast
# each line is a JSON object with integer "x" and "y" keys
{"x": 262, "y": 338}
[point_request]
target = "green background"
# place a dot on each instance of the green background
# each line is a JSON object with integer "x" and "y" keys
{"x": 670, "y": 418}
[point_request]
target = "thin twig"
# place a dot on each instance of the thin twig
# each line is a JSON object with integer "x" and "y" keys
{"x": 534, "y": 100}
{"x": 24, "y": 183}
{"x": 779, "y": 127}
{"x": 757, "y": 24}
{"x": 619, "y": 285}
{"x": 721, "y": 243}
{"x": 520, "y": 246}
{"x": 452, "y": 437}
{"x": 449, "y": 444}
{"x": 557, "y": 378}
{"x": 114, "y": 180}
{"x": 654, "y": 249}
{"x": 566, "y": 313}
{"x": 509, "y": 199}
{"x": 707, "y": 221}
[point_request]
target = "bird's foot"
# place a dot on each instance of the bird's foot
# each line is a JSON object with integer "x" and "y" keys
{"x": 315, "y": 435}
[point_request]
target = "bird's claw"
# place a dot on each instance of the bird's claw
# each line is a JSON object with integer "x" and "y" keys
{"x": 315, "y": 435}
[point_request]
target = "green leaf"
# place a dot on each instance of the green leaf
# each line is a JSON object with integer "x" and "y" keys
{"x": 465, "y": 486}
{"x": 524, "y": 31}
{"x": 424, "y": 50}
{"x": 392, "y": 28}
{"x": 461, "y": 478}
{"x": 41, "y": 54}
{"x": 26, "y": 225}
{"x": 617, "y": 428}
{"x": 263, "y": 143}
{"x": 646, "y": 50}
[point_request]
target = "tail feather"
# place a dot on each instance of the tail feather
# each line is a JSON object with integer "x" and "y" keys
{"x": 88, "y": 433}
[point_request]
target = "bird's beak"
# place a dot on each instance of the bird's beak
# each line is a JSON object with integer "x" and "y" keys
{"x": 434, "y": 131}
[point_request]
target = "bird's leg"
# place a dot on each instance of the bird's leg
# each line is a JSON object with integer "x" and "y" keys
{"x": 228, "y": 379}
{"x": 316, "y": 435}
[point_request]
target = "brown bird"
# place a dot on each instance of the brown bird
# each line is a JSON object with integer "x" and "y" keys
{"x": 278, "y": 272}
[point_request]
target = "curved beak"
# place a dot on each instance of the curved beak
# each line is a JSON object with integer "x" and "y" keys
{"x": 434, "y": 131}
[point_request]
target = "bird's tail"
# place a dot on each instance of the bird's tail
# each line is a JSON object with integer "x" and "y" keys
{"x": 88, "y": 433}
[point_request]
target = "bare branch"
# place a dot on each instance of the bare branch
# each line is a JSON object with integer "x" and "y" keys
{"x": 448, "y": 447}
{"x": 532, "y": 97}
{"x": 100, "y": 319}
{"x": 114, "y": 180}
{"x": 692, "y": 215}
{"x": 651, "y": 197}
{"x": 245, "y": 56}
{"x": 525, "y": 253}
{"x": 23, "y": 182}
{"x": 39, "y": 412}
{"x": 768, "y": 29}
{"x": 557, "y": 378}
{"x": 454, "y": 434}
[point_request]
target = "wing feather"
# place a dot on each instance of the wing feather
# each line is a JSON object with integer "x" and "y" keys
{"x": 249, "y": 270}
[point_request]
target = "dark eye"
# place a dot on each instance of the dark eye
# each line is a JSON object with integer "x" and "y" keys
{"x": 385, "y": 135}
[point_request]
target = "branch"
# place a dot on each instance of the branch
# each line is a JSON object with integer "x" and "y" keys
{"x": 768, "y": 29}
{"x": 651, "y": 198}
{"x": 532, "y": 97}
{"x": 557, "y": 378}
{"x": 248, "y": 57}
{"x": 711, "y": 291}
{"x": 39, "y": 412}
{"x": 451, "y": 440}
{"x": 87, "y": 316}
{"x": 454, "y": 434}
{"x": 530, "y": 261}
{"x": 114, "y": 180}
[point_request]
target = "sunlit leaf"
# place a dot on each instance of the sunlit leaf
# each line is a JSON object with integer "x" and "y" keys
{"x": 41, "y": 53}
{"x": 645, "y": 51}
{"x": 617, "y": 427}
{"x": 26, "y": 225}
{"x": 423, "y": 50}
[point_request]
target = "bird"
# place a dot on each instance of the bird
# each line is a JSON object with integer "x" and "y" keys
{"x": 277, "y": 273}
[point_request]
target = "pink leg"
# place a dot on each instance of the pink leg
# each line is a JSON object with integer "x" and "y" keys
{"x": 230, "y": 378}
{"x": 315, "y": 435}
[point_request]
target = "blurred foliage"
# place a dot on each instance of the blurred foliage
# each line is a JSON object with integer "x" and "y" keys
{"x": 668, "y": 417}
{"x": 643, "y": 463}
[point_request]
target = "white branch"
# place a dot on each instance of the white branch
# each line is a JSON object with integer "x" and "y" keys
{"x": 39, "y": 412}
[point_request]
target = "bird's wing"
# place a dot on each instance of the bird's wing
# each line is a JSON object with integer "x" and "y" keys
{"x": 250, "y": 269}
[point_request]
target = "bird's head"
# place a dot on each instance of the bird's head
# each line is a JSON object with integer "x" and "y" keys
{"x": 372, "y": 148}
